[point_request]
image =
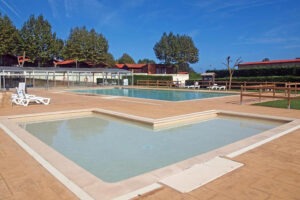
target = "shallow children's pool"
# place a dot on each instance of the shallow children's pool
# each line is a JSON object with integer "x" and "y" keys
{"x": 114, "y": 150}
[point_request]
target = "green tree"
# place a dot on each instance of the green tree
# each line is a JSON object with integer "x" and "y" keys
{"x": 176, "y": 49}
{"x": 126, "y": 59}
{"x": 265, "y": 60}
{"x": 84, "y": 45}
{"x": 146, "y": 61}
{"x": 9, "y": 37}
{"x": 110, "y": 60}
{"x": 58, "y": 45}
{"x": 37, "y": 39}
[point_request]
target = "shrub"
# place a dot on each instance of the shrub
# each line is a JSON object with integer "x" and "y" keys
{"x": 264, "y": 79}
{"x": 278, "y": 71}
{"x": 147, "y": 77}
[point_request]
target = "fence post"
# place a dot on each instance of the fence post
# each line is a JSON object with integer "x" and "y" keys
{"x": 260, "y": 86}
{"x": 289, "y": 98}
{"x": 241, "y": 98}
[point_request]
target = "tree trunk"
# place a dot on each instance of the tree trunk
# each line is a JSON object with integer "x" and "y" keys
{"x": 230, "y": 80}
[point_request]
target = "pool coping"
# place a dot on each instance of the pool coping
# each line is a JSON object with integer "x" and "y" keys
{"x": 88, "y": 186}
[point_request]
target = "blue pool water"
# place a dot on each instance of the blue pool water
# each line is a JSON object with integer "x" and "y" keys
{"x": 167, "y": 95}
{"x": 115, "y": 150}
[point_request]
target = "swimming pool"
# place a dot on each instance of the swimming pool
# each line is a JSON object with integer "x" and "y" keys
{"x": 167, "y": 95}
{"x": 115, "y": 150}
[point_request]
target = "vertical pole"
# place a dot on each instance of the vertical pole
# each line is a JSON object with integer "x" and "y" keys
{"x": 260, "y": 92}
{"x": 4, "y": 85}
{"x": 54, "y": 79}
{"x": 68, "y": 79}
{"x": 93, "y": 78}
{"x": 241, "y": 97}
{"x": 132, "y": 77}
{"x": 0, "y": 81}
{"x": 25, "y": 77}
{"x": 289, "y": 98}
{"x": 118, "y": 78}
{"x": 33, "y": 79}
{"x": 102, "y": 78}
{"x": 47, "y": 86}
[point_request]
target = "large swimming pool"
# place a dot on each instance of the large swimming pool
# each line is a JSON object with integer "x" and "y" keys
{"x": 115, "y": 150}
{"x": 167, "y": 95}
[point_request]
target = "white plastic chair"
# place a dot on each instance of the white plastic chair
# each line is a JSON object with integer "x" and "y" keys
{"x": 23, "y": 99}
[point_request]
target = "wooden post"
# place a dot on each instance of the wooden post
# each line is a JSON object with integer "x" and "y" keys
{"x": 241, "y": 97}
{"x": 289, "y": 98}
{"x": 260, "y": 86}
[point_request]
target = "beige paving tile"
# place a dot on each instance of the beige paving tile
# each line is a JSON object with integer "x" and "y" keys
{"x": 270, "y": 171}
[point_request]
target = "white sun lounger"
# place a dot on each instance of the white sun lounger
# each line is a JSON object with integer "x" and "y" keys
{"x": 23, "y": 99}
{"x": 195, "y": 86}
{"x": 223, "y": 87}
{"x": 213, "y": 87}
{"x": 217, "y": 87}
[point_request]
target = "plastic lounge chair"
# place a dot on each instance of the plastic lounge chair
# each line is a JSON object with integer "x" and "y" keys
{"x": 21, "y": 92}
{"x": 223, "y": 87}
{"x": 21, "y": 98}
{"x": 188, "y": 86}
{"x": 213, "y": 87}
{"x": 196, "y": 85}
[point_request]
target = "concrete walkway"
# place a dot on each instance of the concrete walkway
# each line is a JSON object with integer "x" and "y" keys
{"x": 271, "y": 171}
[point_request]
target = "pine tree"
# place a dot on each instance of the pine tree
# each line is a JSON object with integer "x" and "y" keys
{"x": 84, "y": 45}
{"x": 176, "y": 49}
{"x": 9, "y": 37}
{"x": 37, "y": 39}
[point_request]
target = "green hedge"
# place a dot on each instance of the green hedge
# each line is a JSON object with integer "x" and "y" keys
{"x": 146, "y": 77}
{"x": 278, "y": 71}
{"x": 264, "y": 79}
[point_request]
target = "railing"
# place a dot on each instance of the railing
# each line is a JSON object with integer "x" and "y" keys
{"x": 289, "y": 92}
{"x": 235, "y": 84}
{"x": 155, "y": 83}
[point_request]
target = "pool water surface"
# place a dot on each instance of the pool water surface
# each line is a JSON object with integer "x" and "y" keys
{"x": 167, "y": 95}
{"x": 115, "y": 150}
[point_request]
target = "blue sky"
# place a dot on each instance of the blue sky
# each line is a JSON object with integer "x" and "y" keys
{"x": 250, "y": 29}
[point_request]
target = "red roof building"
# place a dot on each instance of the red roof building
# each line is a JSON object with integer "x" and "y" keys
{"x": 79, "y": 64}
{"x": 271, "y": 63}
{"x": 148, "y": 68}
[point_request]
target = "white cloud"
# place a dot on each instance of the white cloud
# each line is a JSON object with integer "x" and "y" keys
{"x": 267, "y": 40}
{"x": 54, "y": 8}
{"x": 11, "y": 9}
{"x": 292, "y": 46}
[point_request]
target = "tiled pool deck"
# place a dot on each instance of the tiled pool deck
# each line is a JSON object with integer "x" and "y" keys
{"x": 271, "y": 171}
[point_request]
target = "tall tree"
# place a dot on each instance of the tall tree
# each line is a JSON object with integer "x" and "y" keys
{"x": 110, "y": 60}
{"x": 176, "y": 49}
{"x": 37, "y": 39}
{"x": 9, "y": 37}
{"x": 231, "y": 68}
{"x": 126, "y": 59}
{"x": 265, "y": 60}
{"x": 58, "y": 45}
{"x": 86, "y": 45}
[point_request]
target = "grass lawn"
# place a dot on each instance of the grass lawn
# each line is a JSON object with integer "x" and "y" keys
{"x": 295, "y": 104}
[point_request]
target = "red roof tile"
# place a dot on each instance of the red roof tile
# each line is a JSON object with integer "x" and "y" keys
{"x": 120, "y": 66}
{"x": 135, "y": 66}
{"x": 65, "y": 62}
{"x": 131, "y": 66}
{"x": 271, "y": 62}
